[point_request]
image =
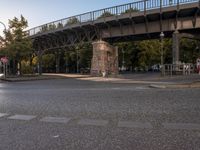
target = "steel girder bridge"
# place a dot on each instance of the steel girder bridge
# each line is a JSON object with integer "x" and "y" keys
{"x": 133, "y": 21}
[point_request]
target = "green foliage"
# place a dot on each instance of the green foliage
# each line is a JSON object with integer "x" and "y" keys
{"x": 48, "y": 61}
{"x": 26, "y": 67}
{"x": 143, "y": 54}
{"x": 189, "y": 50}
{"x": 52, "y": 27}
{"x": 149, "y": 52}
{"x": 60, "y": 25}
{"x": 35, "y": 61}
{"x": 73, "y": 20}
{"x": 131, "y": 10}
{"x": 17, "y": 46}
{"x": 85, "y": 56}
{"x": 105, "y": 14}
{"x": 70, "y": 58}
{"x": 44, "y": 28}
{"x": 82, "y": 54}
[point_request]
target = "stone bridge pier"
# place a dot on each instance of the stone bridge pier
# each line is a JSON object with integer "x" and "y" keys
{"x": 105, "y": 59}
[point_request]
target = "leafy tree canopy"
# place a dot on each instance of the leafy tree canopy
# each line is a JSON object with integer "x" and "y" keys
{"x": 16, "y": 44}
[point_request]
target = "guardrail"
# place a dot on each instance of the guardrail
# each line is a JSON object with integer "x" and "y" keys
{"x": 103, "y": 13}
{"x": 179, "y": 69}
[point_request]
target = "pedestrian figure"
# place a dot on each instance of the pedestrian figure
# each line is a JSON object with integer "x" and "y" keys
{"x": 186, "y": 68}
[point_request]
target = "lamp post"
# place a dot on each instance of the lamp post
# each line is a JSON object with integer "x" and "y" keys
{"x": 3, "y": 25}
{"x": 4, "y": 62}
{"x": 161, "y": 51}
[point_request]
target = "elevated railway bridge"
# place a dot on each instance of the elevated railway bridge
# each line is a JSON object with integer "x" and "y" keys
{"x": 129, "y": 22}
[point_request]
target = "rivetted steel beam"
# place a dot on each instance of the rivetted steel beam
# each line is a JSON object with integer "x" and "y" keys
{"x": 97, "y": 31}
{"x": 189, "y": 36}
{"x": 133, "y": 25}
{"x": 194, "y": 21}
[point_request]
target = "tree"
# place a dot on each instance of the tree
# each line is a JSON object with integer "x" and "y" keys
{"x": 85, "y": 56}
{"x": 131, "y": 10}
{"x": 52, "y": 27}
{"x": 72, "y": 20}
{"x": 17, "y": 46}
{"x": 149, "y": 53}
{"x": 60, "y": 25}
{"x": 48, "y": 61}
{"x": 189, "y": 50}
{"x": 144, "y": 54}
{"x": 44, "y": 28}
{"x": 70, "y": 60}
{"x": 105, "y": 14}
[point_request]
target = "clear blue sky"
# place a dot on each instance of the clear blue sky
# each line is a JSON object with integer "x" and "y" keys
{"x": 39, "y": 12}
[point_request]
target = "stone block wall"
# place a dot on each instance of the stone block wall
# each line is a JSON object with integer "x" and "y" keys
{"x": 105, "y": 59}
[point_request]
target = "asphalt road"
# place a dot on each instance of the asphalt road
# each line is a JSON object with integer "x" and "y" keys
{"x": 69, "y": 114}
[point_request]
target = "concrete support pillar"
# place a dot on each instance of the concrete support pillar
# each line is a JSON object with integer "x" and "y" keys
{"x": 105, "y": 59}
{"x": 175, "y": 47}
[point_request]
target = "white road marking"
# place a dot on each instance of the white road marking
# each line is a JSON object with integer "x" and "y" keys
{"x": 142, "y": 88}
{"x": 182, "y": 126}
{"x": 131, "y": 124}
{"x": 56, "y": 136}
{"x": 22, "y": 117}
{"x": 98, "y": 122}
{"x": 55, "y": 119}
{"x": 3, "y": 114}
{"x": 93, "y": 122}
{"x": 198, "y": 134}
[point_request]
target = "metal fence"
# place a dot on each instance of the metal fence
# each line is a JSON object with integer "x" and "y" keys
{"x": 179, "y": 69}
{"x": 112, "y": 11}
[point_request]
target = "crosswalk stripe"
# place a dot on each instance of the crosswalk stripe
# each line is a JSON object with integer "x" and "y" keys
{"x": 55, "y": 119}
{"x": 131, "y": 124}
{"x": 93, "y": 122}
{"x": 22, "y": 117}
{"x": 3, "y": 114}
{"x": 181, "y": 126}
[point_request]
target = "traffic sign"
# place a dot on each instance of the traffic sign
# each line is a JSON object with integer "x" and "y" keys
{"x": 4, "y": 60}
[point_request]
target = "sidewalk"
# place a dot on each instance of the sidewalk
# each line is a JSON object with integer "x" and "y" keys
{"x": 153, "y": 80}
{"x": 29, "y": 78}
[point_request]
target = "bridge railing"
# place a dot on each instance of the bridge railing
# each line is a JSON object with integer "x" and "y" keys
{"x": 142, "y": 6}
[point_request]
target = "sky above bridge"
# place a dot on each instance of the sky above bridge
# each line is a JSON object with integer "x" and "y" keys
{"x": 39, "y": 12}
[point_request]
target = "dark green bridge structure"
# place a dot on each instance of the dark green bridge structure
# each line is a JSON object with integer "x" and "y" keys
{"x": 139, "y": 20}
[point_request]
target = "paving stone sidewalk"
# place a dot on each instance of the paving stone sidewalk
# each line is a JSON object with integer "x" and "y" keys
{"x": 153, "y": 80}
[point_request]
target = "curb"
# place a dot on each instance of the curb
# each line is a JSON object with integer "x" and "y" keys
{"x": 29, "y": 79}
{"x": 157, "y": 86}
{"x": 189, "y": 85}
